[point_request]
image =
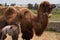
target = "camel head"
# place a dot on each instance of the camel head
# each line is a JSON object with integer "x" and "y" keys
{"x": 46, "y": 8}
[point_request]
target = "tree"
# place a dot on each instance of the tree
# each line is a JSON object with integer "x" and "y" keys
{"x": 6, "y": 4}
{"x": 13, "y": 4}
{"x": 30, "y": 6}
{"x": 36, "y": 6}
{"x": 0, "y": 4}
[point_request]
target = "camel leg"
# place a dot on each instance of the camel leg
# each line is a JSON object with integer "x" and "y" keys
{"x": 27, "y": 34}
{"x": 3, "y": 36}
{"x": 0, "y": 34}
{"x": 15, "y": 37}
{"x": 25, "y": 37}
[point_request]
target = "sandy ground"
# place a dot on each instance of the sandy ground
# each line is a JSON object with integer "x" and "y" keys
{"x": 45, "y": 36}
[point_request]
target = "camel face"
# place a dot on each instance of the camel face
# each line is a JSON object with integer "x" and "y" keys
{"x": 52, "y": 6}
{"x": 47, "y": 8}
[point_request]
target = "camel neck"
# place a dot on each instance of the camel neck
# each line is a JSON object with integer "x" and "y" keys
{"x": 42, "y": 17}
{"x": 40, "y": 14}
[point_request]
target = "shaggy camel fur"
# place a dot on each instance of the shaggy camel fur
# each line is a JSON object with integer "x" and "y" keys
{"x": 10, "y": 17}
{"x": 30, "y": 21}
{"x": 2, "y": 19}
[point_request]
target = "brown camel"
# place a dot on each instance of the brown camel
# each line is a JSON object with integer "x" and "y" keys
{"x": 30, "y": 21}
{"x": 10, "y": 17}
{"x": 2, "y": 23}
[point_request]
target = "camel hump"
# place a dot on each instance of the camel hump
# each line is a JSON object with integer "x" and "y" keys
{"x": 11, "y": 14}
{"x": 27, "y": 13}
{"x": 10, "y": 10}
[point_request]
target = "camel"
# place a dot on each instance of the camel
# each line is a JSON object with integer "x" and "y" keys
{"x": 10, "y": 17}
{"x": 38, "y": 23}
{"x": 28, "y": 20}
{"x": 12, "y": 30}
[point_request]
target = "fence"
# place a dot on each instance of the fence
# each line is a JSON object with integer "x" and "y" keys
{"x": 54, "y": 25}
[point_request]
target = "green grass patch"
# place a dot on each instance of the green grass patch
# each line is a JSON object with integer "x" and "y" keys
{"x": 55, "y": 17}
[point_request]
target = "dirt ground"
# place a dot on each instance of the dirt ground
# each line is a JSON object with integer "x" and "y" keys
{"x": 45, "y": 36}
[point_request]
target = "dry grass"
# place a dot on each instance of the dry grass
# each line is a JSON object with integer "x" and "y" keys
{"x": 45, "y": 36}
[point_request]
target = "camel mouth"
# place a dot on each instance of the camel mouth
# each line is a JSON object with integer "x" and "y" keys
{"x": 49, "y": 15}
